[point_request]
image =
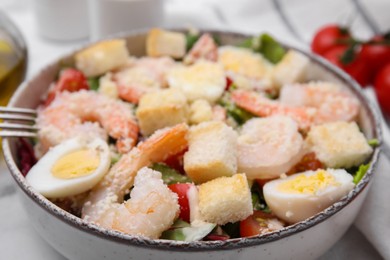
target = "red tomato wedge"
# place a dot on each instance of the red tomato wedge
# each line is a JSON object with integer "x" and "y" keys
{"x": 71, "y": 80}
{"x": 181, "y": 190}
{"x": 253, "y": 225}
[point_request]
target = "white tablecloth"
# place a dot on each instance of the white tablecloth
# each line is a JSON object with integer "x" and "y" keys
{"x": 17, "y": 238}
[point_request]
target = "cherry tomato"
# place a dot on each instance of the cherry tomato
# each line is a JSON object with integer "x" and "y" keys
{"x": 376, "y": 55}
{"x": 253, "y": 225}
{"x": 229, "y": 82}
{"x": 176, "y": 161}
{"x": 181, "y": 190}
{"x": 70, "y": 80}
{"x": 382, "y": 88}
{"x": 326, "y": 38}
{"x": 358, "y": 68}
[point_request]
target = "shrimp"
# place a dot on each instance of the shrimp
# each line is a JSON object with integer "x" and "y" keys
{"x": 142, "y": 76}
{"x": 332, "y": 102}
{"x": 74, "y": 114}
{"x": 151, "y": 207}
{"x": 259, "y": 105}
{"x": 269, "y": 147}
{"x": 309, "y": 104}
{"x": 204, "y": 48}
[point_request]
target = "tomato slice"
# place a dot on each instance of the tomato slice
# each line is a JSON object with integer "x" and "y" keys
{"x": 254, "y": 224}
{"x": 176, "y": 161}
{"x": 71, "y": 80}
{"x": 181, "y": 190}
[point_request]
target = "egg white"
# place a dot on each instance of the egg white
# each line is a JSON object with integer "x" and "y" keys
{"x": 42, "y": 180}
{"x": 295, "y": 207}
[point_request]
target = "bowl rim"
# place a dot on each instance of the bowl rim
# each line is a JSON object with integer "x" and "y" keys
{"x": 230, "y": 244}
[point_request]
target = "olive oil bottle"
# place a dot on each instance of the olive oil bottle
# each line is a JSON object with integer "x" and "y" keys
{"x": 13, "y": 59}
{"x": 12, "y": 70}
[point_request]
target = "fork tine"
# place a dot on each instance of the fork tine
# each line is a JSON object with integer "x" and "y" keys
{"x": 16, "y": 134}
{"x": 16, "y": 117}
{"x": 25, "y": 116}
{"x": 12, "y": 110}
{"x": 9, "y": 126}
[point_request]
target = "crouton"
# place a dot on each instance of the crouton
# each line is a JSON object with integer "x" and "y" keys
{"x": 107, "y": 86}
{"x": 212, "y": 152}
{"x": 202, "y": 80}
{"x": 163, "y": 43}
{"x": 102, "y": 57}
{"x": 339, "y": 144}
{"x": 161, "y": 109}
{"x": 200, "y": 111}
{"x": 225, "y": 199}
{"x": 243, "y": 62}
{"x": 292, "y": 68}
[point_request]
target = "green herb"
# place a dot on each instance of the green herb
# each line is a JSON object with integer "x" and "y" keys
{"x": 373, "y": 142}
{"x": 271, "y": 49}
{"x": 93, "y": 83}
{"x": 267, "y": 46}
{"x": 174, "y": 234}
{"x": 179, "y": 223}
{"x": 258, "y": 200}
{"x": 169, "y": 175}
{"x": 115, "y": 158}
{"x": 217, "y": 40}
{"x": 232, "y": 229}
{"x": 191, "y": 39}
{"x": 239, "y": 115}
{"x": 247, "y": 43}
{"x": 360, "y": 173}
{"x": 349, "y": 55}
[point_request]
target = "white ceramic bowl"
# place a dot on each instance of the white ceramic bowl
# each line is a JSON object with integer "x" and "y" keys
{"x": 78, "y": 239}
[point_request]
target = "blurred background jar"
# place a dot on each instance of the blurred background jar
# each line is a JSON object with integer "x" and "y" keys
{"x": 13, "y": 58}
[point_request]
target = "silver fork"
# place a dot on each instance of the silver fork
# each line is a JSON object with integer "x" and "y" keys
{"x": 18, "y": 122}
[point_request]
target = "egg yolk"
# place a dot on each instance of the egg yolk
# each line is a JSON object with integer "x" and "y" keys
{"x": 76, "y": 164}
{"x": 303, "y": 184}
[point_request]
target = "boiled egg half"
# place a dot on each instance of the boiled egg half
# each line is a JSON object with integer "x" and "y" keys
{"x": 300, "y": 196}
{"x": 72, "y": 167}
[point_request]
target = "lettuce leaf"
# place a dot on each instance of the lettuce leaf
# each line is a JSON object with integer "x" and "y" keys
{"x": 360, "y": 173}
{"x": 170, "y": 175}
{"x": 266, "y": 45}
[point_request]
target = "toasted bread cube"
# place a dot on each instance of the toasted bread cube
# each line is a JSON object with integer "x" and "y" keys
{"x": 102, "y": 57}
{"x": 202, "y": 80}
{"x": 161, "y": 109}
{"x": 107, "y": 86}
{"x": 225, "y": 199}
{"x": 243, "y": 62}
{"x": 212, "y": 151}
{"x": 200, "y": 111}
{"x": 339, "y": 144}
{"x": 165, "y": 43}
{"x": 292, "y": 68}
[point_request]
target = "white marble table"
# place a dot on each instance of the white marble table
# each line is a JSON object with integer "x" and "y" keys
{"x": 18, "y": 240}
